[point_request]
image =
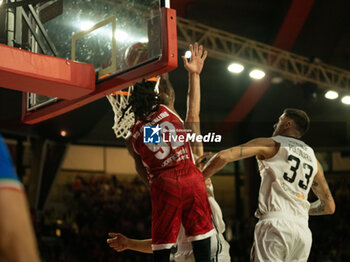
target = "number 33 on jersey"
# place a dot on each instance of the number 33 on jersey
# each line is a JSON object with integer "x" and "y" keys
{"x": 289, "y": 175}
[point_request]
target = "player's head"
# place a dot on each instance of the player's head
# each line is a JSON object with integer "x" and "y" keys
{"x": 143, "y": 99}
{"x": 293, "y": 122}
{"x": 166, "y": 91}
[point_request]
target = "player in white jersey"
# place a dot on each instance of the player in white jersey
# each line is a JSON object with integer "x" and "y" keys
{"x": 288, "y": 169}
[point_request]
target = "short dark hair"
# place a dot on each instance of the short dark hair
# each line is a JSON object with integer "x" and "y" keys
{"x": 300, "y": 118}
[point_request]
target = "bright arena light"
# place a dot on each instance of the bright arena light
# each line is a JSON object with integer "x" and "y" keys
{"x": 346, "y": 100}
{"x": 63, "y": 133}
{"x": 331, "y": 95}
{"x": 188, "y": 54}
{"x": 121, "y": 36}
{"x": 235, "y": 68}
{"x": 86, "y": 25}
{"x": 257, "y": 74}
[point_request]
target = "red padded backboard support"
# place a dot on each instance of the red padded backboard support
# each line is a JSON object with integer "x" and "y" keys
{"x": 167, "y": 63}
{"x": 45, "y": 75}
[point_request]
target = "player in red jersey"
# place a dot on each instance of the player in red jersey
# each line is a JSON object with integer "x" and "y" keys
{"x": 163, "y": 157}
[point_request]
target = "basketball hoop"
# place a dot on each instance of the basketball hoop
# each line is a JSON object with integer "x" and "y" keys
{"x": 137, "y": 53}
{"x": 119, "y": 101}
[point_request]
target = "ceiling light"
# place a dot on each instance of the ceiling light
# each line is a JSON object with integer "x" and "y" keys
{"x": 257, "y": 74}
{"x": 346, "y": 100}
{"x": 331, "y": 95}
{"x": 235, "y": 68}
{"x": 188, "y": 54}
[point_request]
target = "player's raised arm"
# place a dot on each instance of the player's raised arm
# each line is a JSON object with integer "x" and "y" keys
{"x": 194, "y": 67}
{"x": 263, "y": 148}
{"x": 119, "y": 243}
{"x": 325, "y": 204}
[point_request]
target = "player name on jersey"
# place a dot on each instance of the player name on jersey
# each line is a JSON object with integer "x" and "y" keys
{"x": 300, "y": 150}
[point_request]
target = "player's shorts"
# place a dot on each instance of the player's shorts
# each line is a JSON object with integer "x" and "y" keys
{"x": 281, "y": 238}
{"x": 220, "y": 249}
{"x": 179, "y": 196}
{"x": 185, "y": 258}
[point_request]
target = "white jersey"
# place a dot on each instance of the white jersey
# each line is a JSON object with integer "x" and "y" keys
{"x": 286, "y": 179}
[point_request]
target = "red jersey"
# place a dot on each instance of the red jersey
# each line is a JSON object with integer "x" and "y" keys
{"x": 177, "y": 186}
{"x": 172, "y": 152}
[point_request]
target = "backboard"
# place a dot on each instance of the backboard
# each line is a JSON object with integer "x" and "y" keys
{"x": 125, "y": 41}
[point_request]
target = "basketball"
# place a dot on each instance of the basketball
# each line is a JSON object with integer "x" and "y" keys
{"x": 136, "y": 54}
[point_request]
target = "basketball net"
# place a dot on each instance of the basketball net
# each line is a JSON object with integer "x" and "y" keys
{"x": 120, "y": 100}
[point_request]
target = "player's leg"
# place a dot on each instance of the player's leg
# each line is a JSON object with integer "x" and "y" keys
{"x": 166, "y": 216}
{"x": 215, "y": 245}
{"x": 161, "y": 255}
{"x": 201, "y": 250}
{"x": 224, "y": 251}
{"x": 270, "y": 242}
{"x": 184, "y": 252}
{"x": 196, "y": 214}
{"x": 302, "y": 243}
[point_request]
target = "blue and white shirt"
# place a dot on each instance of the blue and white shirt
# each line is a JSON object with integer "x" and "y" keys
{"x": 8, "y": 176}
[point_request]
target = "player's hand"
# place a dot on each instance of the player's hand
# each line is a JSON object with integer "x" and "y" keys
{"x": 202, "y": 160}
{"x": 195, "y": 64}
{"x": 118, "y": 241}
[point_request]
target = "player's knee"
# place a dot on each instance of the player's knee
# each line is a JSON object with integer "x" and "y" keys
{"x": 201, "y": 250}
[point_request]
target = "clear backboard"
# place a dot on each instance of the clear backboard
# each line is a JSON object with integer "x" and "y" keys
{"x": 125, "y": 41}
